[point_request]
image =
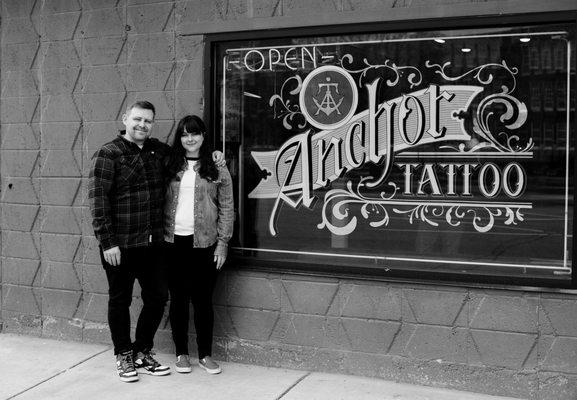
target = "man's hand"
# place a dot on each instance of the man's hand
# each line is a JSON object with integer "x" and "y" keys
{"x": 219, "y": 260}
{"x": 112, "y": 256}
{"x": 218, "y": 158}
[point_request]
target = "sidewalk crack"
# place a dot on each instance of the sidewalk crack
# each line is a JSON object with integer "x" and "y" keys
{"x": 293, "y": 385}
{"x": 59, "y": 373}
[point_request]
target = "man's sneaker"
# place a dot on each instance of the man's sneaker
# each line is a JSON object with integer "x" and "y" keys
{"x": 125, "y": 367}
{"x": 209, "y": 365}
{"x": 148, "y": 365}
{"x": 183, "y": 364}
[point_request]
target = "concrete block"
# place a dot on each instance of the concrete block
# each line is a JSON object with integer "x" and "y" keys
{"x": 492, "y": 381}
{"x": 62, "y": 328}
{"x": 19, "y": 162}
{"x": 60, "y": 80}
{"x": 308, "y": 297}
{"x": 304, "y": 7}
{"x": 21, "y": 299}
{"x": 370, "y": 336}
{"x": 100, "y": 4}
{"x": 149, "y": 48}
{"x": 60, "y": 6}
{"x": 252, "y": 291}
{"x": 188, "y": 13}
{"x": 103, "y": 79}
{"x": 59, "y": 192}
{"x": 61, "y": 26}
{"x": 62, "y": 248}
{"x": 103, "y": 50}
{"x": 96, "y": 332}
{"x": 558, "y": 314}
{"x": 189, "y": 76}
{"x": 441, "y": 343}
{"x": 376, "y": 301}
{"x": 19, "y": 245}
{"x": 103, "y": 22}
{"x": 91, "y": 253}
{"x": 19, "y": 137}
{"x": 438, "y": 307}
{"x": 94, "y": 279}
{"x": 20, "y": 191}
{"x": 22, "y": 324}
{"x": 61, "y": 54}
{"x": 19, "y": 84}
{"x": 151, "y": 18}
{"x": 504, "y": 313}
{"x": 371, "y": 365}
{"x": 558, "y": 354}
{"x": 17, "y": 110}
{"x": 63, "y": 163}
{"x": 60, "y": 135}
{"x": 96, "y": 308}
{"x": 17, "y": 8}
{"x": 150, "y": 77}
{"x": 189, "y": 102}
{"x": 16, "y": 57}
{"x": 58, "y": 275}
{"x": 19, "y": 271}
{"x": 17, "y": 217}
{"x": 266, "y": 8}
{"x": 367, "y": 5}
{"x": 96, "y": 134}
{"x": 59, "y": 220}
{"x": 164, "y": 129}
{"x": 505, "y": 349}
{"x": 189, "y": 47}
{"x": 253, "y": 324}
{"x": 557, "y": 386}
{"x": 163, "y": 102}
{"x": 60, "y": 108}
{"x": 311, "y": 330}
{"x": 60, "y": 303}
{"x": 103, "y": 107}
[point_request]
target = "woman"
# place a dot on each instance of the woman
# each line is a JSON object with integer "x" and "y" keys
{"x": 198, "y": 223}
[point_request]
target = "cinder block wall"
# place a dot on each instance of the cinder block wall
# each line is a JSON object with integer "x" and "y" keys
{"x": 69, "y": 67}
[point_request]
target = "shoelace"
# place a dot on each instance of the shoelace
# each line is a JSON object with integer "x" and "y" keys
{"x": 126, "y": 362}
{"x": 150, "y": 360}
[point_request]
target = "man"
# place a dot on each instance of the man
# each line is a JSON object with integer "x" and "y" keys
{"x": 126, "y": 194}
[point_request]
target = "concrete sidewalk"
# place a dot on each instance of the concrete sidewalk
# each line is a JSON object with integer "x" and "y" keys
{"x": 38, "y": 368}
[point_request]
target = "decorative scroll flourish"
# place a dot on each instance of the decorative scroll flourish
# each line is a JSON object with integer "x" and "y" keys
{"x": 481, "y": 73}
{"x": 483, "y": 215}
{"x": 513, "y": 116}
{"x": 414, "y": 77}
{"x": 289, "y": 109}
{"x": 341, "y": 199}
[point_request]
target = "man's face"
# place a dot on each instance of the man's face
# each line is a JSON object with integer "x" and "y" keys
{"x": 138, "y": 123}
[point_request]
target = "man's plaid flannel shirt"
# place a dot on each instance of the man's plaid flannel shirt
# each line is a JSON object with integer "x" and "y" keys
{"x": 126, "y": 193}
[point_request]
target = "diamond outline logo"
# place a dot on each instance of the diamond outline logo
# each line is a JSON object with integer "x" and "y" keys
{"x": 328, "y": 97}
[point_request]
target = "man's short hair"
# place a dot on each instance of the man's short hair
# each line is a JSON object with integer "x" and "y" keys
{"x": 142, "y": 104}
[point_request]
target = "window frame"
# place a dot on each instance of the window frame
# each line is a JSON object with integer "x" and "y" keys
{"x": 420, "y": 276}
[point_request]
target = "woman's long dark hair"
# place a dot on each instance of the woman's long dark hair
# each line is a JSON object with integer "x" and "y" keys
{"x": 207, "y": 168}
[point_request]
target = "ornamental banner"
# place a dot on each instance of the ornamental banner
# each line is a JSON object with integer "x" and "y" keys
{"x": 395, "y": 144}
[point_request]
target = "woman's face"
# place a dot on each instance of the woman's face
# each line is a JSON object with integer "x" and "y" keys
{"x": 192, "y": 143}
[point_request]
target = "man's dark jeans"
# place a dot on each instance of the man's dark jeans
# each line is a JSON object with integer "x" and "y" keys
{"x": 144, "y": 264}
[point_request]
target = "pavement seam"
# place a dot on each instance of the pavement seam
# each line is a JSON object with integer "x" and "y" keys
{"x": 58, "y": 373}
{"x": 299, "y": 380}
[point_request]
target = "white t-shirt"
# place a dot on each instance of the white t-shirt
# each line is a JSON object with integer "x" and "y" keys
{"x": 184, "y": 219}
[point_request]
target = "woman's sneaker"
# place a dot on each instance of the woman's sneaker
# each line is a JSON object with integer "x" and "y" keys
{"x": 209, "y": 365}
{"x": 183, "y": 364}
{"x": 125, "y": 367}
{"x": 148, "y": 365}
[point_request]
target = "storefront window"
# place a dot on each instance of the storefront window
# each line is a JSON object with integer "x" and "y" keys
{"x": 428, "y": 155}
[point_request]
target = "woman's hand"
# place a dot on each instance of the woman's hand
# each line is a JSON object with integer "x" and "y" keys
{"x": 218, "y": 158}
{"x": 219, "y": 260}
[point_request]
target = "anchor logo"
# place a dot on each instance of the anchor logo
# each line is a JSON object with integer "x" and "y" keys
{"x": 328, "y": 103}
{"x": 328, "y": 98}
